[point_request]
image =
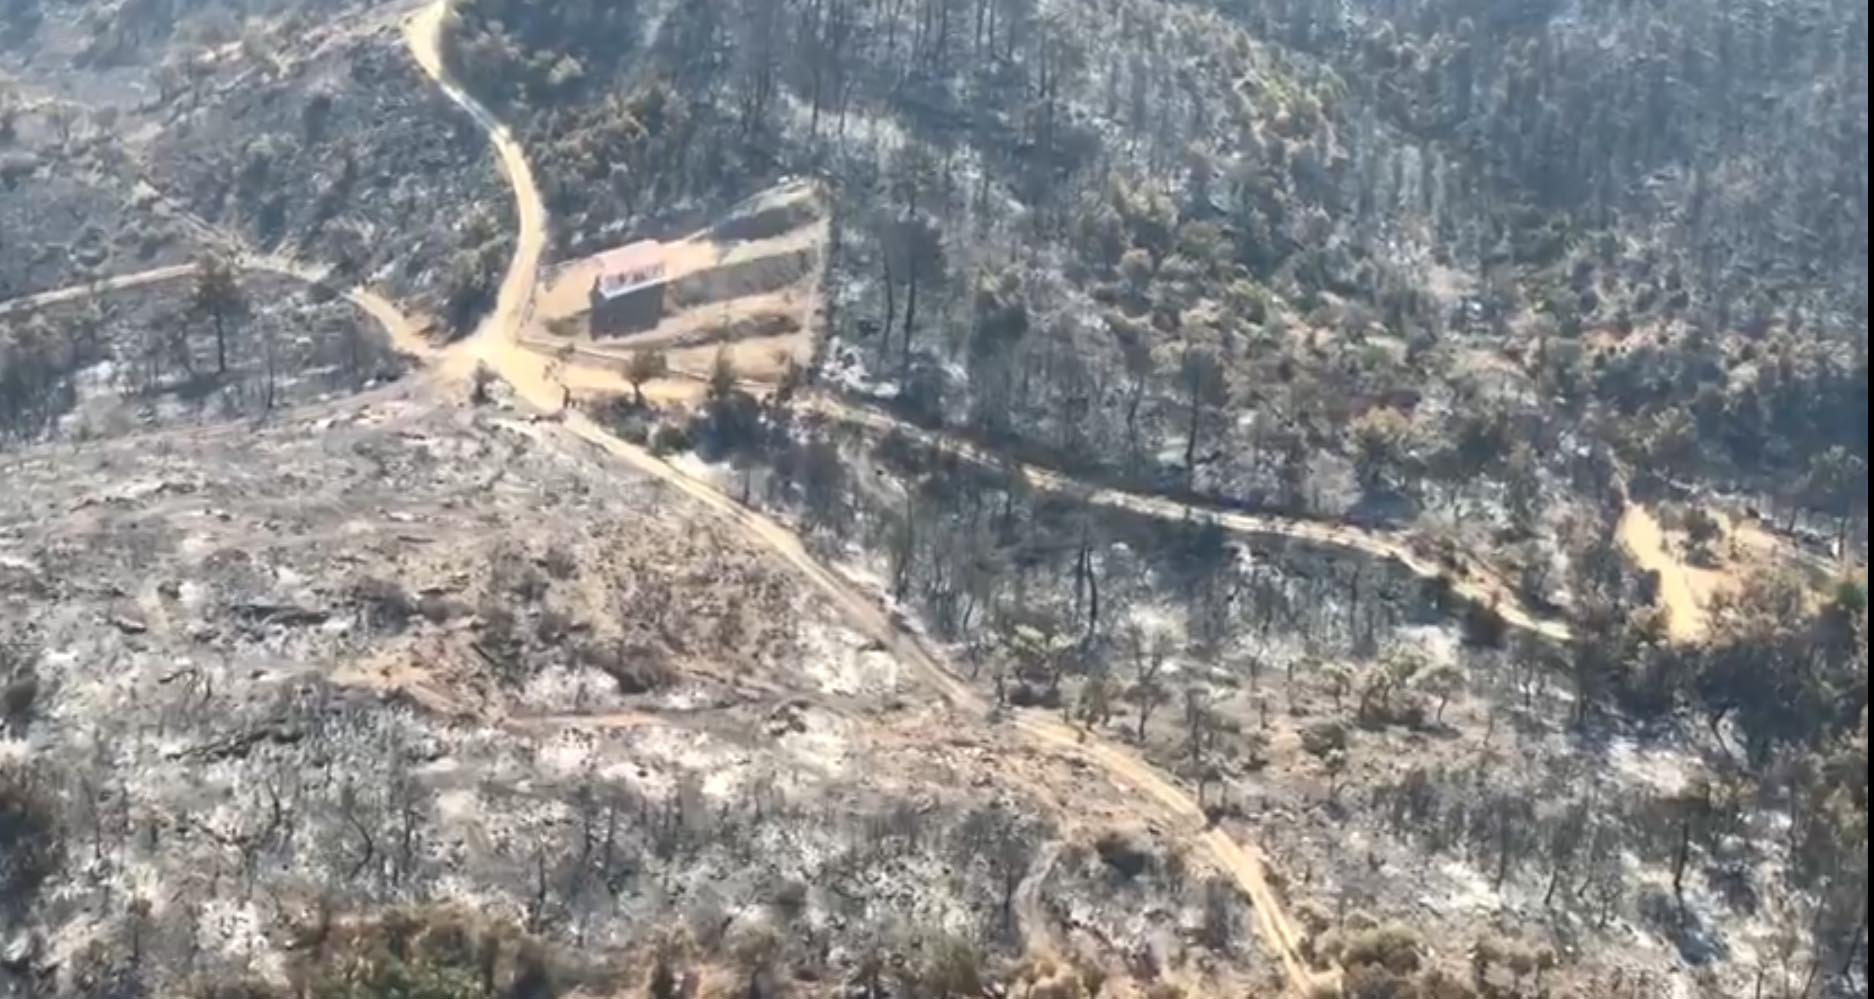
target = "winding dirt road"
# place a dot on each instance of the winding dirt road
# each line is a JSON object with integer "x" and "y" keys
{"x": 496, "y": 341}
{"x": 1477, "y": 587}
{"x": 78, "y": 292}
{"x": 403, "y": 333}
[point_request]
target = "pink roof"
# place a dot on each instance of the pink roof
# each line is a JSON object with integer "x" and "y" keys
{"x": 628, "y": 268}
{"x": 631, "y": 258}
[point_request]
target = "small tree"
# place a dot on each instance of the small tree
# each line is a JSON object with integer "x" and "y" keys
{"x": 1689, "y": 810}
{"x": 1201, "y": 376}
{"x": 1042, "y": 645}
{"x": 649, "y": 365}
{"x": 1379, "y": 439}
{"x": 1338, "y": 677}
{"x": 1836, "y": 482}
{"x": 1383, "y": 682}
{"x": 1702, "y": 533}
{"x": 1335, "y": 763}
{"x": 1096, "y": 705}
{"x": 912, "y": 251}
{"x": 1484, "y": 625}
{"x": 1135, "y": 265}
{"x": 218, "y": 295}
{"x": 1149, "y": 654}
{"x": 1442, "y": 681}
{"x": 822, "y": 476}
{"x": 480, "y": 383}
{"x": 270, "y": 356}
{"x": 1198, "y": 724}
{"x": 721, "y": 378}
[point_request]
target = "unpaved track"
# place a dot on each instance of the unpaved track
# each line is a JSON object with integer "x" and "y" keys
{"x": 76, "y": 292}
{"x": 1392, "y": 547}
{"x": 1646, "y": 544}
{"x": 496, "y": 340}
{"x": 403, "y": 333}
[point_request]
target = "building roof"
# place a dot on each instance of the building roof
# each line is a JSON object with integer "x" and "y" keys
{"x": 630, "y": 257}
{"x": 629, "y": 267}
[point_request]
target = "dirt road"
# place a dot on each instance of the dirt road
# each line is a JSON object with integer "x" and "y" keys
{"x": 1640, "y": 534}
{"x": 1477, "y": 587}
{"x": 404, "y": 333}
{"x": 76, "y": 292}
{"x": 496, "y": 340}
